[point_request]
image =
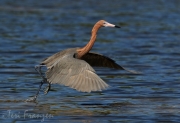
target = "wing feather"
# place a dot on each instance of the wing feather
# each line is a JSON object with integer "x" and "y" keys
{"x": 93, "y": 85}
{"x": 78, "y": 83}
{"x": 77, "y": 74}
{"x": 99, "y": 60}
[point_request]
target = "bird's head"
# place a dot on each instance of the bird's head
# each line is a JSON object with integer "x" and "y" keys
{"x": 104, "y": 23}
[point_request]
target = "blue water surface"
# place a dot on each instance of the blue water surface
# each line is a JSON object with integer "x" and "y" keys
{"x": 148, "y": 42}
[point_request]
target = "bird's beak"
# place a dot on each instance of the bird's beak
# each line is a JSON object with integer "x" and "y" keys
{"x": 110, "y": 25}
{"x": 117, "y": 26}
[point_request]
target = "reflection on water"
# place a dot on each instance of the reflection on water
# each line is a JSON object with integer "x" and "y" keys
{"x": 147, "y": 42}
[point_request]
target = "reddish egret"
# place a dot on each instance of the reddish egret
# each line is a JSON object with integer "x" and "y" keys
{"x": 72, "y": 67}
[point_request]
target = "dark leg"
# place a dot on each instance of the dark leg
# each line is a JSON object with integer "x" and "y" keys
{"x": 38, "y": 69}
{"x": 33, "y": 99}
{"x": 46, "y": 90}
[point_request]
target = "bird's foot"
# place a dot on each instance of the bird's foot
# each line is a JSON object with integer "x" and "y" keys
{"x": 32, "y": 99}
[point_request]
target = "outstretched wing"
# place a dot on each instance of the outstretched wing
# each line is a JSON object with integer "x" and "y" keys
{"x": 99, "y": 60}
{"x": 75, "y": 73}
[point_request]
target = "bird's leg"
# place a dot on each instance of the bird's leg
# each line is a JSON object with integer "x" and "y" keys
{"x": 33, "y": 99}
{"x": 38, "y": 69}
{"x": 46, "y": 90}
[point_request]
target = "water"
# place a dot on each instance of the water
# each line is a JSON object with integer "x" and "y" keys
{"x": 148, "y": 41}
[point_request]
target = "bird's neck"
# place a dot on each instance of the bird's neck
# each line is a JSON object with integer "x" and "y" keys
{"x": 82, "y": 51}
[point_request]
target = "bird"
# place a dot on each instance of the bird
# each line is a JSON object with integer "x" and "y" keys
{"x": 73, "y": 67}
